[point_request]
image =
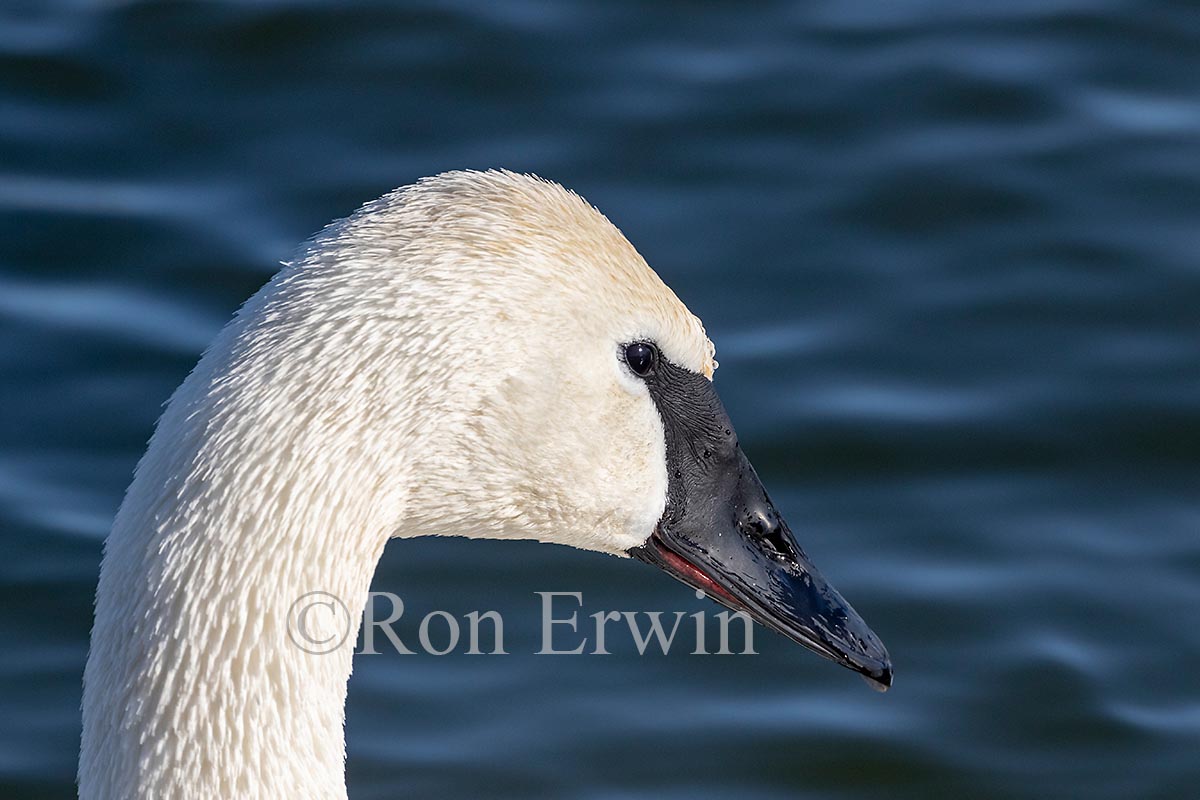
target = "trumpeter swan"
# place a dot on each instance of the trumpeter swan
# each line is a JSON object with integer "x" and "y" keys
{"x": 480, "y": 354}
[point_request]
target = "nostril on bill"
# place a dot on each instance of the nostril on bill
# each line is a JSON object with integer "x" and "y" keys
{"x": 766, "y": 527}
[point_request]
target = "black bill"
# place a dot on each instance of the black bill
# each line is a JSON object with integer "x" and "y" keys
{"x": 721, "y": 534}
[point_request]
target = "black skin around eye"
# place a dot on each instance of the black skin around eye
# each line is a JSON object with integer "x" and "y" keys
{"x": 641, "y": 356}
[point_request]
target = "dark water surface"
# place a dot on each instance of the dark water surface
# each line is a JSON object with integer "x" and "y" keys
{"x": 947, "y": 252}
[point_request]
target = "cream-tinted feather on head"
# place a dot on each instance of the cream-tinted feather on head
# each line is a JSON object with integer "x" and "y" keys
{"x": 508, "y": 298}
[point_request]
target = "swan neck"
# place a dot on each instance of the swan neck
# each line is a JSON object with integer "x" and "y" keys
{"x": 197, "y": 683}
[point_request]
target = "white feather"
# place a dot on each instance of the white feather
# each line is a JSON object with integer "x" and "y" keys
{"x": 443, "y": 362}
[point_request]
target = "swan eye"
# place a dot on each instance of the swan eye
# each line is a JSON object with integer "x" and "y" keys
{"x": 641, "y": 357}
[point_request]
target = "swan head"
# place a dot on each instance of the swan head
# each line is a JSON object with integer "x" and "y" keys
{"x": 540, "y": 381}
{"x": 480, "y": 354}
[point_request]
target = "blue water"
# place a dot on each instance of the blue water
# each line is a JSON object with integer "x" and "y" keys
{"x": 947, "y": 252}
